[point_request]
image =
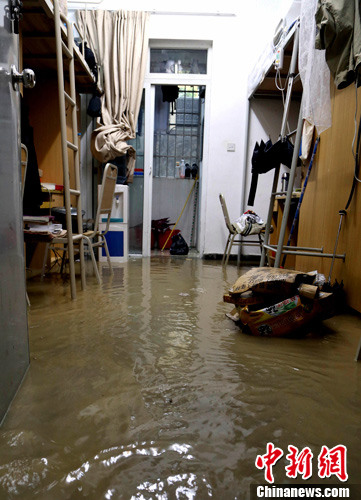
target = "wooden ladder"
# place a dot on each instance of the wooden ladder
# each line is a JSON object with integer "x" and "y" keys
{"x": 69, "y": 147}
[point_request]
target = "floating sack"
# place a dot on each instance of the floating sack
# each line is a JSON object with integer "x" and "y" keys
{"x": 271, "y": 280}
{"x": 277, "y": 302}
{"x": 286, "y": 317}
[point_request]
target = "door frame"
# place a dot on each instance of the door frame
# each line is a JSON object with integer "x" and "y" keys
{"x": 151, "y": 80}
{"x": 14, "y": 338}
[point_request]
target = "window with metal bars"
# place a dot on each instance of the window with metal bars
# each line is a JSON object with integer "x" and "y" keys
{"x": 178, "y": 133}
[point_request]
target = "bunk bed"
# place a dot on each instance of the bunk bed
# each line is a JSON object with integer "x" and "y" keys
{"x": 39, "y": 47}
{"x": 261, "y": 80}
{"x": 62, "y": 74}
{"x": 262, "y": 83}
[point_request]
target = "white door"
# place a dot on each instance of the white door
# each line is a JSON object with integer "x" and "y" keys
{"x": 14, "y": 348}
{"x": 177, "y": 202}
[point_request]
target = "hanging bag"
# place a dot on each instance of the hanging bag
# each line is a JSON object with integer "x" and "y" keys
{"x": 94, "y": 107}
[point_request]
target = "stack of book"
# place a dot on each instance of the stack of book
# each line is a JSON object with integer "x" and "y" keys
{"x": 41, "y": 224}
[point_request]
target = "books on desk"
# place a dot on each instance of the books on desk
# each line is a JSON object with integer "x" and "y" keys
{"x": 38, "y": 219}
{"x": 52, "y": 187}
{"x": 45, "y": 228}
{"x": 41, "y": 224}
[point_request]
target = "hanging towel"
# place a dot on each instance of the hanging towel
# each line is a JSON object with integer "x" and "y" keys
{"x": 267, "y": 156}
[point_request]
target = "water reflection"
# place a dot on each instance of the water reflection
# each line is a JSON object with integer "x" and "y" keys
{"x": 142, "y": 388}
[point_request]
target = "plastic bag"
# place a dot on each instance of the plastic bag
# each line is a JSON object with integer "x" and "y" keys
{"x": 249, "y": 223}
{"x": 178, "y": 246}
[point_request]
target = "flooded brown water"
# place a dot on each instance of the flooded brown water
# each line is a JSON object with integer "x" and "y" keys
{"x": 142, "y": 388}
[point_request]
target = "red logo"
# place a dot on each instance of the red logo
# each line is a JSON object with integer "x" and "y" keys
{"x": 268, "y": 460}
{"x": 331, "y": 461}
{"x": 300, "y": 462}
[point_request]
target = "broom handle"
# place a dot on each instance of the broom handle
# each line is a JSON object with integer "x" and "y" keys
{"x": 180, "y": 215}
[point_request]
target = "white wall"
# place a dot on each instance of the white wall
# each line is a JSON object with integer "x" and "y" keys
{"x": 237, "y": 42}
{"x": 265, "y": 123}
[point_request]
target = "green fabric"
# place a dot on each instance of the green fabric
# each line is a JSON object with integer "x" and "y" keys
{"x": 339, "y": 33}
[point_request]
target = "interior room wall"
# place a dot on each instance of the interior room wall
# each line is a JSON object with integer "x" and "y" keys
{"x": 265, "y": 119}
{"x": 239, "y": 32}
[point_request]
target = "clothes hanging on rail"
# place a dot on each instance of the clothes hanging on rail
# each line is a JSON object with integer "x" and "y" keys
{"x": 339, "y": 33}
{"x": 267, "y": 156}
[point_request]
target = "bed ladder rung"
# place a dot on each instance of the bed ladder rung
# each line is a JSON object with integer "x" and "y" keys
{"x": 66, "y": 51}
{"x": 72, "y": 146}
{"x": 69, "y": 99}
{"x": 67, "y": 96}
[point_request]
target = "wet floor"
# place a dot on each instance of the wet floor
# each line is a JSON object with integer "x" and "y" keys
{"x": 142, "y": 388}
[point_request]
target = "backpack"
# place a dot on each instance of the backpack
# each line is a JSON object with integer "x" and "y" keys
{"x": 94, "y": 107}
{"x": 89, "y": 59}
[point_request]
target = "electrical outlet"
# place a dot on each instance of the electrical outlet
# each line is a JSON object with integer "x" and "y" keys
{"x": 279, "y": 59}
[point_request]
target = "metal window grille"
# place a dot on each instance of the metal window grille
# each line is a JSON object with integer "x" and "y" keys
{"x": 182, "y": 138}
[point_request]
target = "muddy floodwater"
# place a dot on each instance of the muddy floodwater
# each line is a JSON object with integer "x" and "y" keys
{"x": 142, "y": 388}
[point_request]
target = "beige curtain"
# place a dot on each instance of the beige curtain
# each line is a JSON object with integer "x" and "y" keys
{"x": 119, "y": 41}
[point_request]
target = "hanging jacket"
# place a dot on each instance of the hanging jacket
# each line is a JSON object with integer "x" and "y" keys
{"x": 338, "y": 25}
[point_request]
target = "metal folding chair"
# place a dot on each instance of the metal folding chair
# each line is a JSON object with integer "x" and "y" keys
{"x": 233, "y": 233}
{"x": 93, "y": 238}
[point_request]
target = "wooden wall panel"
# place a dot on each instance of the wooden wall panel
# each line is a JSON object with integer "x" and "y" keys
{"x": 43, "y": 105}
{"x": 327, "y": 192}
{"x": 44, "y": 118}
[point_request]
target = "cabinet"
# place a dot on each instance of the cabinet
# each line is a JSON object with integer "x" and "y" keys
{"x": 118, "y": 234}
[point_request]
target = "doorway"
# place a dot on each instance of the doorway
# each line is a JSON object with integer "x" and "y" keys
{"x": 178, "y": 132}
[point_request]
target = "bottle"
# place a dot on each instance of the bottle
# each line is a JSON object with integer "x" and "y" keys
{"x": 194, "y": 170}
{"x": 188, "y": 171}
{"x": 182, "y": 169}
{"x": 177, "y": 170}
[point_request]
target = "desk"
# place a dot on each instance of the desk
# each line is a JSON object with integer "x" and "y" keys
{"x": 276, "y": 223}
{"x": 35, "y": 242}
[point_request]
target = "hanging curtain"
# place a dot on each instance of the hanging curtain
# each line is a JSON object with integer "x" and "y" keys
{"x": 120, "y": 42}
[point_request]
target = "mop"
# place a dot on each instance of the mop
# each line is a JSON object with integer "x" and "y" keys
{"x": 180, "y": 215}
